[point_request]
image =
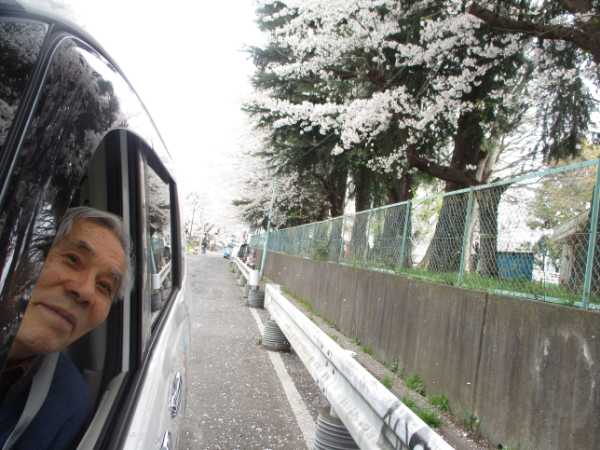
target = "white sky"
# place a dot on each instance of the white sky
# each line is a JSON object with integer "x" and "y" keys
{"x": 186, "y": 62}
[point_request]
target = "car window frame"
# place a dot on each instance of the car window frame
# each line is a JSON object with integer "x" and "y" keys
{"x": 153, "y": 162}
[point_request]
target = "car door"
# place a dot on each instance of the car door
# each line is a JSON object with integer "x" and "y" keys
{"x": 71, "y": 105}
{"x": 154, "y": 421}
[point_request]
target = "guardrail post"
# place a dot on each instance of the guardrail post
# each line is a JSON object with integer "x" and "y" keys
{"x": 256, "y": 297}
{"x": 331, "y": 433}
{"x": 466, "y": 238}
{"x": 593, "y": 236}
{"x": 273, "y": 338}
{"x": 254, "y": 279}
{"x": 407, "y": 213}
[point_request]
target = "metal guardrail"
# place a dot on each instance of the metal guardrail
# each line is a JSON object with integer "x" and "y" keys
{"x": 375, "y": 418}
{"x": 243, "y": 268}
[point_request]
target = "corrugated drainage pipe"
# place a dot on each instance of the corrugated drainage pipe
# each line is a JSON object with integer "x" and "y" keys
{"x": 331, "y": 433}
{"x": 273, "y": 338}
{"x": 256, "y": 298}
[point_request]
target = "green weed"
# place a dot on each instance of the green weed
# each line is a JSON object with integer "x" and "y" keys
{"x": 471, "y": 422}
{"x": 533, "y": 289}
{"x": 428, "y": 416}
{"x": 415, "y": 382}
{"x": 440, "y": 401}
{"x": 387, "y": 381}
{"x": 409, "y": 402}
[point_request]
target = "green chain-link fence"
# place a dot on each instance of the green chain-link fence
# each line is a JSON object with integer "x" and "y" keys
{"x": 533, "y": 236}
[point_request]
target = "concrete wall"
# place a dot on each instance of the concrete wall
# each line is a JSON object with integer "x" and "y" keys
{"x": 529, "y": 371}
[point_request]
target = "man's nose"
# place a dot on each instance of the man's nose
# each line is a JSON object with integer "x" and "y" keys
{"x": 81, "y": 287}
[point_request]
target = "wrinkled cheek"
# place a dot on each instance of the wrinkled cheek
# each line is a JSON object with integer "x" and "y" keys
{"x": 40, "y": 336}
{"x": 97, "y": 316}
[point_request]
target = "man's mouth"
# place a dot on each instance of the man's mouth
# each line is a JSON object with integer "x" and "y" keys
{"x": 67, "y": 316}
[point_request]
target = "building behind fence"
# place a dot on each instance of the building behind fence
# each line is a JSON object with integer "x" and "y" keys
{"x": 533, "y": 236}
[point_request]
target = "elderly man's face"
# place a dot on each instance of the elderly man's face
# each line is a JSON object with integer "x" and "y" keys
{"x": 74, "y": 292}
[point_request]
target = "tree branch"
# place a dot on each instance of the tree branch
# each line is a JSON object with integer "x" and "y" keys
{"x": 587, "y": 39}
{"x": 445, "y": 173}
{"x": 577, "y": 6}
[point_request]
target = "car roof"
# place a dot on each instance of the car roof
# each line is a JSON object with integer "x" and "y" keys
{"x": 52, "y": 12}
{"x": 60, "y": 12}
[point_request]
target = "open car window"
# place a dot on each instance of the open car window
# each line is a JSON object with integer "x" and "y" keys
{"x": 79, "y": 99}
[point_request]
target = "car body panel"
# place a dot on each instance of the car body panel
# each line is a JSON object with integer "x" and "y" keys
{"x": 149, "y": 424}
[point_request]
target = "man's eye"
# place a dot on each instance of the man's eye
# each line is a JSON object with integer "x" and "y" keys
{"x": 106, "y": 289}
{"x": 71, "y": 258}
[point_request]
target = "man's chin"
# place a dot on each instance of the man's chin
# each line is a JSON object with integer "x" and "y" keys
{"x": 43, "y": 346}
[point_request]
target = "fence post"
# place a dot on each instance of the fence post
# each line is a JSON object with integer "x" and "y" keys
{"x": 263, "y": 259}
{"x": 466, "y": 241}
{"x": 341, "y": 248}
{"x": 269, "y": 216}
{"x": 589, "y": 265}
{"x": 407, "y": 214}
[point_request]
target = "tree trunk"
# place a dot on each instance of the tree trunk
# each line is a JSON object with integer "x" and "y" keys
{"x": 388, "y": 244}
{"x": 336, "y": 190}
{"x": 335, "y": 239}
{"x": 446, "y": 245}
{"x": 488, "y": 202}
{"x": 363, "y": 180}
{"x": 359, "y": 239}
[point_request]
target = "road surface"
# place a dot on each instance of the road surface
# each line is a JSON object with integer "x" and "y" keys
{"x": 240, "y": 396}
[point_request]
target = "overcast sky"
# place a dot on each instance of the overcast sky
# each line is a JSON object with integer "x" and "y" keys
{"x": 186, "y": 61}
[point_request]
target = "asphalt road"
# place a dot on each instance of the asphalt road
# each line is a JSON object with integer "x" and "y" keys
{"x": 236, "y": 399}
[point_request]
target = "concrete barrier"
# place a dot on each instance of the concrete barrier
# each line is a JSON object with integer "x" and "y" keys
{"x": 526, "y": 373}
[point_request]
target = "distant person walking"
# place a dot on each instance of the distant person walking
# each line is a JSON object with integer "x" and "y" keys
{"x": 204, "y": 245}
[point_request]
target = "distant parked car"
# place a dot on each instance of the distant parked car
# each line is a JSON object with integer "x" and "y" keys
{"x": 229, "y": 249}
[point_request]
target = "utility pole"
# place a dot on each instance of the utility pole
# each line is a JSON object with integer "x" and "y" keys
{"x": 192, "y": 223}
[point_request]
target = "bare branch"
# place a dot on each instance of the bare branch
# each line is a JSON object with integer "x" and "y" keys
{"x": 445, "y": 173}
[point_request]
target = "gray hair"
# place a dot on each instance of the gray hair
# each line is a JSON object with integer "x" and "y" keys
{"x": 110, "y": 221}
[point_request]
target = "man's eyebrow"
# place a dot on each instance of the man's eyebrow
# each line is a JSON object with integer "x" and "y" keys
{"x": 117, "y": 276}
{"x": 81, "y": 245}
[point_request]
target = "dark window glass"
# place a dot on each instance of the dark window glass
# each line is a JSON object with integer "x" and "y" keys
{"x": 20, "y": 44}
{"x": 159, "y": 234}
{"x": 74, "y": 110}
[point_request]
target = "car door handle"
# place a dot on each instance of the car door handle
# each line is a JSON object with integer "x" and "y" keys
{"x": 175, "y": 396}
{"x": 167, "y": 442}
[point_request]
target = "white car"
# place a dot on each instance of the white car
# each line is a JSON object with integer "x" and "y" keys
{"x": 74, "y": 132}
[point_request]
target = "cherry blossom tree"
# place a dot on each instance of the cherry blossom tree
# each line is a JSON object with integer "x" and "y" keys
{"x": 419, "y": 87}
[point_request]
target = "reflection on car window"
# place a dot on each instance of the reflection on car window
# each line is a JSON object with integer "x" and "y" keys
{"x": 20, "y": 44}
{"x": 159, "y": 232}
